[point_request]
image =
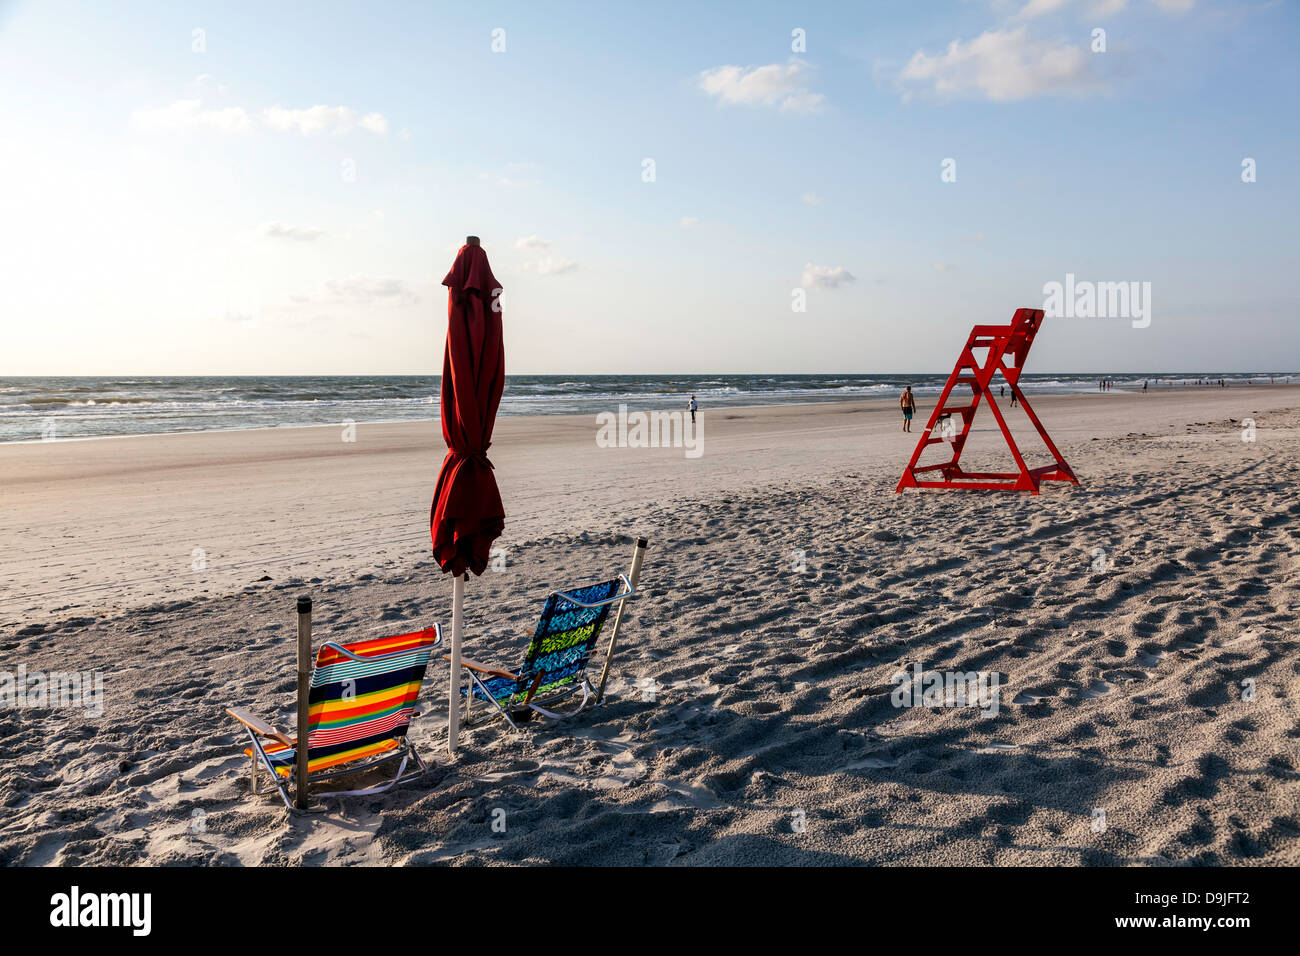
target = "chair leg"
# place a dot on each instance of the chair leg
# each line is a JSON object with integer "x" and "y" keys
{"x": 492, "y": 700}
{"x": 469, "y": 702}
{"x": 275, "y": 778}
{"x": 252, "y": 781}
{"x": 554, "y": 715}
{"x": 418, "y": 759}
{"x": 381, "y": 788}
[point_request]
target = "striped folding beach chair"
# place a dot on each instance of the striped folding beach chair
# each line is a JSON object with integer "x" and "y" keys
{"x": 555, "y": 661}
{"x": 361, "y": 701}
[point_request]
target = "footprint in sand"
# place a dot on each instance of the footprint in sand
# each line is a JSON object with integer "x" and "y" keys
{"x": 869, "y": 763}
{"x": 1125, "y": 675}
{"x": 1150, "y": 656}
{"x": 1027, "y": 698}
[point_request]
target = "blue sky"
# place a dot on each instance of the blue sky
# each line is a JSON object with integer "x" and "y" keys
{"x": 284, "y": 194}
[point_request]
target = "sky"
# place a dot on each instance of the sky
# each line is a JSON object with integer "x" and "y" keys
{"x": 251, "y": 188}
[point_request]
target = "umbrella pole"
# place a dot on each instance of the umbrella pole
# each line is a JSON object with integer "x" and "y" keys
{"x": 633, "y": 576}
{"x": 457, "y": 625}
{"x": 304, "y": 702}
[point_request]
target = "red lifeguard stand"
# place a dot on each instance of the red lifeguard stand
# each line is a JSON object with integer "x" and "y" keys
{"x": 1007, "y": 345}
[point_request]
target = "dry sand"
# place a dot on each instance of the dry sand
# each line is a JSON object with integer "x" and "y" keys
{"x": 750, "y": 719}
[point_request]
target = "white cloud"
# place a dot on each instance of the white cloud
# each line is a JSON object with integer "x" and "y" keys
{"x": 368, "y": 289}
{"x": 514, "y": 176}
{"x": 185, "y": 115}
{"x": 551, "y": 266}
{"x": 360, "y": 290}
{"x": 824, "y": 277}
{"x": 531, "y": 242}
{"x": 1038, "y": 8}
{"x": 207, "y": 83}
{"x": 812, "y": 199}
{"x": 782, "y": 86}
{"x": 279, "y": 230}
{"x": 1097, "y": 8}
{"x": 337, "y": 300}
{"x": 375, "y": 123}
{"x": 687, "y": 221}
{"x": 245, "y": 320}
{"x": 189, "y": 115}
{"x": 320, "y": 119}
{"x": 944, "y": 267}
{"x": 1004, "y": 65}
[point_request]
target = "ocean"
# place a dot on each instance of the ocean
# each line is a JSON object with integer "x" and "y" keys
{"x": 35, "y": 409}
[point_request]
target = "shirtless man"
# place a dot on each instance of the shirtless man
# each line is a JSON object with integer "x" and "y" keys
{"x": 908, "y": 403}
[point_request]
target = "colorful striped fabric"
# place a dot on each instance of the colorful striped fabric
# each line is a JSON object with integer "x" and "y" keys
{"x": 358, "y": 709}
{"x": 281, "y": 757}
{"x": 560, "y": 647}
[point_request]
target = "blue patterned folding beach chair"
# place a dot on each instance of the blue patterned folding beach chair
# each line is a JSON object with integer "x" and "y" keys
{"x": 555, "y": 662}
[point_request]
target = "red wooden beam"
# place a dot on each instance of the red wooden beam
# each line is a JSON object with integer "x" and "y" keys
{"x": 1008, "y": 346}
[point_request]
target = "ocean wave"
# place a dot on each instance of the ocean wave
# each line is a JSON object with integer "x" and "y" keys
{"x": 98, "y": 407}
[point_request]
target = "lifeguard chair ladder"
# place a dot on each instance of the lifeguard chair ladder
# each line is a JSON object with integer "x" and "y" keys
{"x": 1008, "y": 346}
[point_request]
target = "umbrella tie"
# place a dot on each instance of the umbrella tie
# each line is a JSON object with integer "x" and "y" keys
{"x": 479, "y": 456}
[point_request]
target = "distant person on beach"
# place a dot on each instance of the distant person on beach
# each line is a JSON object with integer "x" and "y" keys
{"x": 1002, "y": 391}
{"x": 908, "y": 403}
{"x": 695, "y": 407}
{"x": 1014, "y": 403}
{"x": 1144, "y": 386}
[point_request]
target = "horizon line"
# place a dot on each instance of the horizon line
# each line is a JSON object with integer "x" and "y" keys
{"x": 1148, "y": 372}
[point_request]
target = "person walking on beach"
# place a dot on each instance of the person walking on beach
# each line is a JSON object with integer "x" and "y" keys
{"x": 1014, "y": 403}
{"x": 695, "y": 407}
{"x": 1002, "y": 392}
{"x": 908, "y": 403}
{"x": 1144, "y": 386}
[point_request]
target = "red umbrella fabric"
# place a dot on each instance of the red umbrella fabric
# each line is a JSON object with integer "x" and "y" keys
{"x": 467, "y": 514}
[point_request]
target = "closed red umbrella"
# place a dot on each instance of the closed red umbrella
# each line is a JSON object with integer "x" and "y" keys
{"x": 467, "y": 514}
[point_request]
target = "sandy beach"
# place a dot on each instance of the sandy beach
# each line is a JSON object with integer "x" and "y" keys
{"x": 1142, "y": 627}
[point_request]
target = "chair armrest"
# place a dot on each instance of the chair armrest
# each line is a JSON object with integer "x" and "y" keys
{"x": 260, "y": 727}
{"x": 344, "y": 652}
{"x": 482, "y": 668}
{"x": 621, "y": 596}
